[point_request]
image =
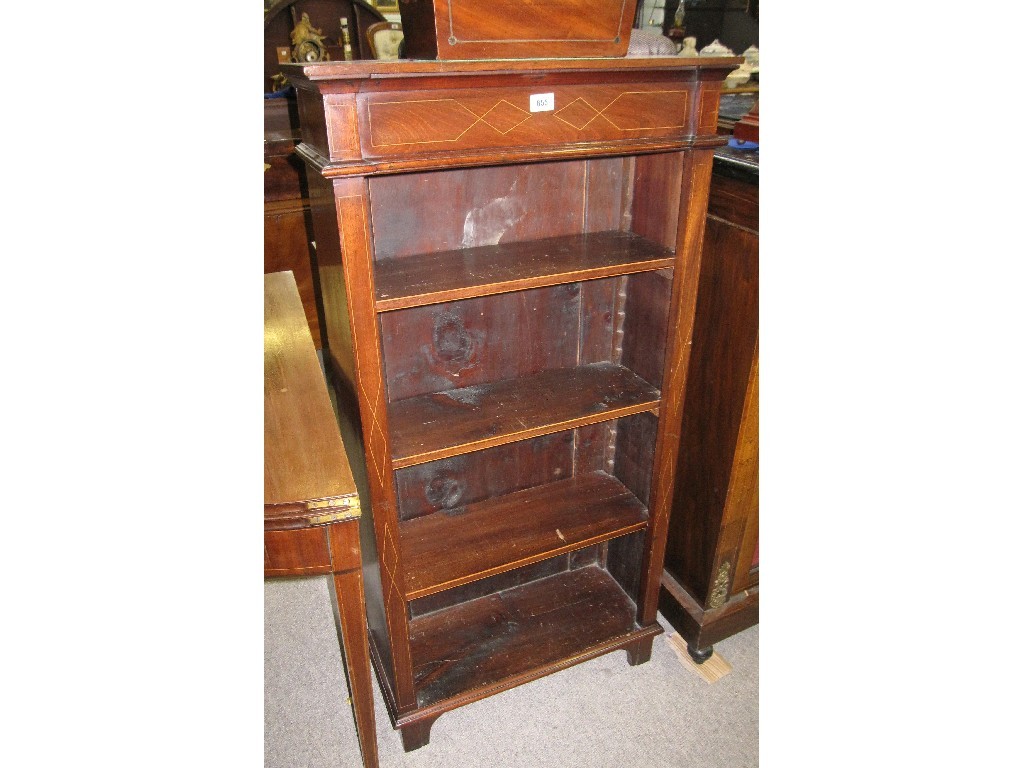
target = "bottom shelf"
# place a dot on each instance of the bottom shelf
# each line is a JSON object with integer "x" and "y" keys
{"x": 549, "y": 623}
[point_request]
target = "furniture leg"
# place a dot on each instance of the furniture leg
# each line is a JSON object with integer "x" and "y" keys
{"x": 350, "y": 619}
{"x": 416, "y": 735}
{"x": 640, "y": 651}
{"x": 699, "y": 655}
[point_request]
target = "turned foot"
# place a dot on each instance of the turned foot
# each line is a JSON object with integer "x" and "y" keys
{"x": 700, "y": 655}
{"x": 640, "y": 651}
{"x": 416, "y": 735}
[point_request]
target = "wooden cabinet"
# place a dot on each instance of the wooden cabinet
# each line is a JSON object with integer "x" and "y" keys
{"x": 508, "y": 296}
{"x": 512, "y": 29}
{"x": 287, "y": 226}
{"x": 710, "y": 582}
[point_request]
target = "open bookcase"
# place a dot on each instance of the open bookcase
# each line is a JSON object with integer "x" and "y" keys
{"x": 508, "y": 296}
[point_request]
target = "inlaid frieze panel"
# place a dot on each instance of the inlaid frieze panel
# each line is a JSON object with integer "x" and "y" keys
{"x": 411, "y": 123}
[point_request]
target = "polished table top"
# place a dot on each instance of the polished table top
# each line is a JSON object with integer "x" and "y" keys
{"x": 307, "y": 481}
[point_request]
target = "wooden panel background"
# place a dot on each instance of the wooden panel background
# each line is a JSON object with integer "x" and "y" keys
{"x": 417, "y": 213}
{"x": 451, "y": 484}
{"x": 475, "y": 341}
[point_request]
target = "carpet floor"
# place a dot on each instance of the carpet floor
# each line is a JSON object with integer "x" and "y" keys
{"x": 599, "y": 714}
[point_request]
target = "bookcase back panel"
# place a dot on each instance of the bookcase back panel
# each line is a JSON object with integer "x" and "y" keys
{"x": 634, "y": 453}
{"x": 416, "y": 213}
{"x": 475, "y": 341}
{"x": 601, "y": 306}
{"x": 645, "y": 324}
{"x": 448, "y": 485}
{"x": 459, "y": 489}
{"x": 595, "y": 447}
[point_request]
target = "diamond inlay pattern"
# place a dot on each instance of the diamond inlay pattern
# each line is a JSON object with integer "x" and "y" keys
{"x": 577, "y": 113}
{"x": 504, "y": 116}
{"x": 414, "y": 122}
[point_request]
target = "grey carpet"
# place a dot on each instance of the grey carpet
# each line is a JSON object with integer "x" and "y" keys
{"x": 600, "y": 714}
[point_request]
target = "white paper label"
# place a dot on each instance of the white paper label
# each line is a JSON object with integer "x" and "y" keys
{"x": 542, "y": 102}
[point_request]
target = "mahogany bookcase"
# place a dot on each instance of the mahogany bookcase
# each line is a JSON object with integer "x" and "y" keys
{"x": 508, "y": 255}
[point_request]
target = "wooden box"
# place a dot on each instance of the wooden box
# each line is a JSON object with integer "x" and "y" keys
{"x": 514, "y": 29}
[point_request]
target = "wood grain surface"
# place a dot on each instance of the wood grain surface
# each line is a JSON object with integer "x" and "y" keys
{"x": 441, "y": 551}
{"x": 485, "y": 357}
{"x": 469, "y": 29}
{"x": 457, "y": 421}
{"x": 485, "y": 270}
{"x": 304, "y": 460}
{"x": 527, "y": 626}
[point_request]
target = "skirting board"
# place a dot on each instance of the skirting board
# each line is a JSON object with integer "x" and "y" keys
{"x": 712, "y": 670}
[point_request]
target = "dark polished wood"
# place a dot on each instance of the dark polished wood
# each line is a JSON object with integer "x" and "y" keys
{"x": 509, "y": 297}
{"x": 531, "y": 626}
{"x": 508, "y": 29}
{"x": 304, "y": 461}
{"x": 311, "y": 507}
{"x": 468, "y": 272}
{"x": 471, "y": 418}
{"x": 710, "y": 580}
{"x": 442, "y": 551}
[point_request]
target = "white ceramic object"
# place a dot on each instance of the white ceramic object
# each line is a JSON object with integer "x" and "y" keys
{"x": 716, "y": 49}
{"x": 751, "y": 56}
{"x": 738, "y": 76}
{"x": 689, "y": 49}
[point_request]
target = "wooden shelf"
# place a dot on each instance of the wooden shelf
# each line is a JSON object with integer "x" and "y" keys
{"x": 413, "y": 281}
{"x": 457, "y": 421}
{"x": 441, "y": 550}
{"x": 496, "y": 641}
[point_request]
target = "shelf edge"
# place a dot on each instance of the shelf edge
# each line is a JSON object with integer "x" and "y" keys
{"x": 400, "y": 462}
{"x": 522, "y": 284}
{"x": 522, "y": 563}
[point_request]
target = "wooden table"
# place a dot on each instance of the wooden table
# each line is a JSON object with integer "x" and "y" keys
{"x": 311, "y": 507}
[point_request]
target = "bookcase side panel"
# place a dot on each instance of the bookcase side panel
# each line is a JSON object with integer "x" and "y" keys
{"x": 695, "y": 179}
{"x": 352, "y": 201}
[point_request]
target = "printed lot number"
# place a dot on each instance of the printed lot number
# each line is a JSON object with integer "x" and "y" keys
{"x": 542, "y": 102}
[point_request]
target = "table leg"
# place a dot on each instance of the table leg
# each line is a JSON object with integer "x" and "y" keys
{"x": 350, "y": 619}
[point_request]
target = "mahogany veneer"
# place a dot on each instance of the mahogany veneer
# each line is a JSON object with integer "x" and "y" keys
{"x": 442, "y": 551}
{"x": 471, "y": 418}
{"x": 469, "y": 29}
{"x": 431, "y": 278}
{"x": 508, "y": 299}
{"x": 710, "y": 585}
{"x": 552, "y": 621}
